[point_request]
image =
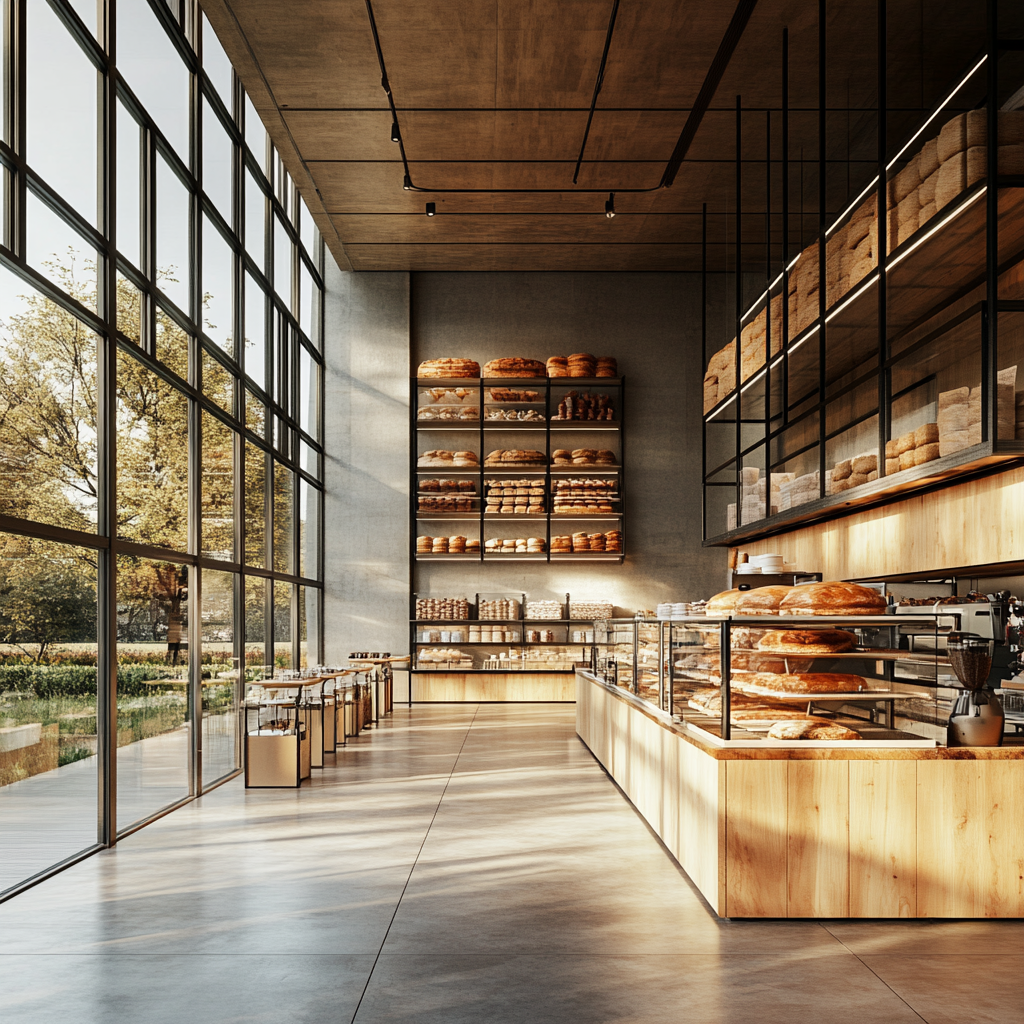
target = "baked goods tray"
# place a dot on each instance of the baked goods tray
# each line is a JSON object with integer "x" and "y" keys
{"x": 882, "y": 654}
{"x": 831, "y": 698}
{"x": 585, "y": 424}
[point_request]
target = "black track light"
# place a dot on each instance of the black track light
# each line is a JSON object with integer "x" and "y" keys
{"x": 609, "y": 206}
{"x": 395, "y": 134}
{"x": 431, "y": 209}
{"x": 407, "y": 183}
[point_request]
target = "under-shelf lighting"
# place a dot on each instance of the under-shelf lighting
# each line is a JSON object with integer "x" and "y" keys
{"x": 938, "y": 227}
{"x": 860, "y": 291}
{"x": 396, "y": 135}
{"x": 609, "y": 206}
{"x": 431, "y": 209}
{"x": 839, "y": 220}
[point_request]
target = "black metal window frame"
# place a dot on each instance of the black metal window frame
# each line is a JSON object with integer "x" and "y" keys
{"x": 182, "y": 20}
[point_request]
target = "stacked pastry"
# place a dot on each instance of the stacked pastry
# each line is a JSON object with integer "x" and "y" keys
{"x": 591, "y": 610}
{"x": 582, "y": 364}
{"x": 959, "y": 419}
{"x": 448, "y": 413}
{"x": 861, "y": 469}
{"x": 438, "y": 609}
{"x": 799, "y": 490}
{"x": 585, "y": 406}
{"x": 435, "y": 657}
{"x": 578, "y": 542}
{"x": 448, "y": 368}
{"x": 914, "y": 448}
{"x": 452, "y": 460}
{"x": 446, "y": 546}
{"x": 499, "y": 609}
{"x": 493, "y": 415}
{"x": 443, "y": 486}
{"x": 446, "y": 503}
{"x": 931, "y": 179}
{"x": 512, "y": 395}
{"x": 493, "y": 635}
{"x": 543, "y": 609}
{"x": 514, "y": 366}
{"x": 515, "y": 457}
{"x": 515, "y": 546}
{"x": 583, "y": 457}
{"x": 558, "y": 366}
{"x": 510, "y": 497}
{"x": 575, "y": 496}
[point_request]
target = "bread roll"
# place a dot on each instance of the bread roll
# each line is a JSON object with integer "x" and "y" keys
{"x": 928, "y": 159}
{"x": 811, "y": 729}
{"x": 761, "y": 601}
{"x": 892, "y": 466}
{"x": 926, "y": 453}
{"x": 723, "y": 603}
{"x": 864, "y": 464}
{"x": 832, "y": 599}
{"x": 905, "y": 443}
{"x": 808, "y": 641}
{"x": 908, "y": 460}
{"x": 842, "y": 470}
{"x": 927, "y": 433}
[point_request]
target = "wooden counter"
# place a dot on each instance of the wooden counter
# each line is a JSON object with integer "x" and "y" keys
{"x": 774, "y": 832}
{"x": 455, "y": 687}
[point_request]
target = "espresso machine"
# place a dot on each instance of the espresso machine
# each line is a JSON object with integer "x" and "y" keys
{"x": 977, "y": 719}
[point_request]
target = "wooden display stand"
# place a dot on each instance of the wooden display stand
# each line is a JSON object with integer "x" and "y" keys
{"x": 446, "y": 687}
{"x": 818, "y": 832}
{"x": 274, "y": 760}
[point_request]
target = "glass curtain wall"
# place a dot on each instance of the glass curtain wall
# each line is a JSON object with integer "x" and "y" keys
{"x": 160, "y": 440}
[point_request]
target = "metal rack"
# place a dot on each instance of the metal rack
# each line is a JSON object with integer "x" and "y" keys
{"x": 549, "y": 388}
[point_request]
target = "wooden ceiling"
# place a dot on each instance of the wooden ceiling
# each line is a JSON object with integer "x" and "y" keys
{"x": 496, "y": 95}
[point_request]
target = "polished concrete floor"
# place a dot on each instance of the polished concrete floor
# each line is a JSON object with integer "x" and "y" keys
{"x": 460, "y": 864}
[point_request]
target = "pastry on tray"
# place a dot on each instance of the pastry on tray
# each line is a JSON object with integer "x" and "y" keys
{"x": 811, "y": 729}
{"x": 723, "y": 603}
{"x": 800, "y": 682}
{"x": 761, "y": 601}
{"x": 807, "y": 641}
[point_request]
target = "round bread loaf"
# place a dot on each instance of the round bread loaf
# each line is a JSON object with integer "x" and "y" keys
{"x": 723, "y": 603}
{"x": 761, "y": 601}
{"x": 448, "y": 368}
{"x": 807, "y": 641}
{"x": 832, "y": 599}
{"x": 514, "y": 366}
{"x": 800, "y": 682}
{"x": 811, "y": 729}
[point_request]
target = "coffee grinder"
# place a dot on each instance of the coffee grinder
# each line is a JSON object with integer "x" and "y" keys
{"x": 977, "y": 719}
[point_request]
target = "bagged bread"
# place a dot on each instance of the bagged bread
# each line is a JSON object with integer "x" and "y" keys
{"x": 906, "y": 182}
{"x": 952, "y": 442}
{"x": 864, "y": 464}
{"x": 927, "y": 433}
{"x": 926, "y": 214}
{"x": 928, "y": 159}
{"x": 926, "y": 453}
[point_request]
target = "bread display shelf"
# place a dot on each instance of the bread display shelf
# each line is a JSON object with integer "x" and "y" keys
{"x": 523, "y": 382}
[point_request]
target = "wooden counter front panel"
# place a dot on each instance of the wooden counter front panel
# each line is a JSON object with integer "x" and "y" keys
{"x": 883, "y": 838}
{"x": 463, "y": 687}
{"x": 970, "y": 839}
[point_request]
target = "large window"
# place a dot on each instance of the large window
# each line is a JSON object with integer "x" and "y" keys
{"x": 160, "y": 400}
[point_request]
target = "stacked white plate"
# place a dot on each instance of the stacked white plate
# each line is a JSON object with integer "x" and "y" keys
{"x": 680, "y": 610}
{"x": 664, "y": 610}
{"x": 768, "y": 563}
{"x": 747, "y": 569}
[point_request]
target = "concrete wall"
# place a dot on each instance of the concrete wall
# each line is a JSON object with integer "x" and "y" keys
{"x": 379, "y": 326}
{"x": 366, "y": 473}
{"x": 651, "y": 324}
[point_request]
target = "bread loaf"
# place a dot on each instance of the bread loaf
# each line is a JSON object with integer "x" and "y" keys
{"x": 832, "y": 599}
{"x": 807, "y": 641}
{"x": 811, "y": 729}
{"x": 450, "y": 368}
{"x": 514, "y": 366}
{"x": 760, "y": 601}
{"x": 801, "y": 682}
{"x": 723, "y": 603}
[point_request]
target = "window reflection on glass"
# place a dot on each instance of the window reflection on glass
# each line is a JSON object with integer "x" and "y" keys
{"x": 60, "y": 253}
{"x": 155, "y": 72}
{"x": 218, "y": 497}
{"x": 255, "y": 506}
{"x": 153, "y": 738}
{"x": 129, "y": 156}
{"x": 218, "y": 265}
{"x": 129, "y": 310}
{"x": 282, "y": 262}
{"x": 62, "y": 99}
{"x": 308, "y": 392}
{"x": 283, "y": 625}
{"x": 48, "y": 654}
{"x": 255, "y": 134}
{"x": 284, "y": 519}
{"x": 308, "y": 530}
{"x": 220, "y": 676}
{"x": 152, "y": 457}
{"x": 309, "y": 302}
{"x": 255, "y": 211}
{"x": 255, "y": 628}
{"x": 218, "y": 382}
{"x": 216, "y": 64}
{"x": 255, "y": 414}
{"x": 218, "y": 160}
{"x": 309, "y": 626}
{"x": 307, "y": 231}
{"x": 171, "y": 344}
{"x": 172, "y": 245}
{"x": 48, "y": 410}
{"x": 255, "y": 333}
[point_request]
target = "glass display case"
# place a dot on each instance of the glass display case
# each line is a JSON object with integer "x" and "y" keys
{"x": 498, "y": 632}
{"x": 882, "y": 350}
{"x": 885, "y": 679}
{"x": 518, "y": 470}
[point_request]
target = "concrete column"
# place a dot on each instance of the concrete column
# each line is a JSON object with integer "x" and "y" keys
{"x": 366, "y": 473}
